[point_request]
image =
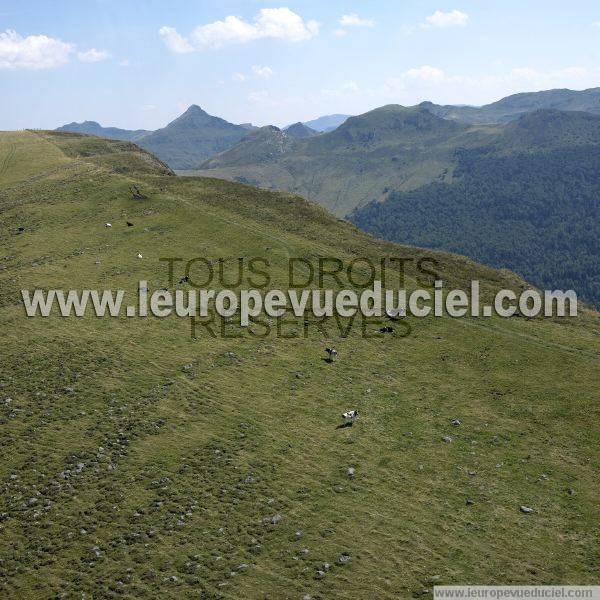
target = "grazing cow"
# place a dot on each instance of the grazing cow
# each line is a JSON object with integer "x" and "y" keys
{"x": 184, "y": 279}
{"x": 331, "y": 354}
{"x": 107, "y": 225}
{"x": 350, "y": 415}
{"x": 139, "y": 255}
{"x": 386, "y": 329}
{"x": 129, "y": 224}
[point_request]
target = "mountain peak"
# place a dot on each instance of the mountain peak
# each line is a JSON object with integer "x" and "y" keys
{"x": 194, "y": 109}
{"x": 300, "y": 130}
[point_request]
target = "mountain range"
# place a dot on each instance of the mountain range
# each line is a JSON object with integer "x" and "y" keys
{"x": 520, "y": 174}
{"x": 196, "y": 136}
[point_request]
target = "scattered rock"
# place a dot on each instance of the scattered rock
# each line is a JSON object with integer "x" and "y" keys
{"x": 526, "y": 509}
{"x": 319, "y": 574}
{"x": 274, "y": 520}
{"x": 469, "y": 502}
{"x": 350, "y": 472}
{"x": 343, "y": 559}
{"x": 447, "y": 439}
{"x": 455, "y": 422}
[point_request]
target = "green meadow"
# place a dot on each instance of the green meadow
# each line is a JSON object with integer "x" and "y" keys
{"x": 140, "y": 461}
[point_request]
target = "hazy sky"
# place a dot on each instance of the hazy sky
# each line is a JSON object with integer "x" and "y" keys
{"x": 139, "y": 64}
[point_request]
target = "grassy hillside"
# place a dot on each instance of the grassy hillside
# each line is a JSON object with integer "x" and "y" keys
{"x": 139, "y": 462}
{"x": 529, "y": 202}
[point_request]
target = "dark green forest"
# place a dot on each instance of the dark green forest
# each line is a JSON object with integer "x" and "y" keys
{"x": 536, "y": 213}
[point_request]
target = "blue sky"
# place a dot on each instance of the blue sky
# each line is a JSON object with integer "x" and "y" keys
{"x": 140, "y": 64}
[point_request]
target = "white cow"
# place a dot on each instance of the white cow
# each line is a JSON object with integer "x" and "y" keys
{"x": 331, "y": 354}
{"x": 350, "y": 415}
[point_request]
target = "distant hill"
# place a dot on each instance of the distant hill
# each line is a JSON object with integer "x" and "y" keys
{"x": 528, "y": 201}
{"x": 300, "y": 130}
{"x": 113, "y": 133}
{"x": 192, "y": 137}
{"x": 515, "y": 106}
{"x": 326, "y": 123}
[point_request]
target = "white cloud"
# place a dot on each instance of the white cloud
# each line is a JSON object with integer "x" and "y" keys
{"x": 596, "y": 24}
{"x": 353, "y": 20}
{"x": 431, "y": 83}
{"x": 274, "y": 23}
{"x": 426, "y": 74}
{"x": 258, "y": 97}
{"x": 32, "y": 52}
{"x": 262, "y": 72}
{"x": 124, "y": 63}
{"x": 344, "y": 90}
{"x": 174, "y": 42}
{"x": 454, "y": 18}
{"x": 92, "y": 55}
{"x": 339, "y": 32}
{"x": 239, "y": 77}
